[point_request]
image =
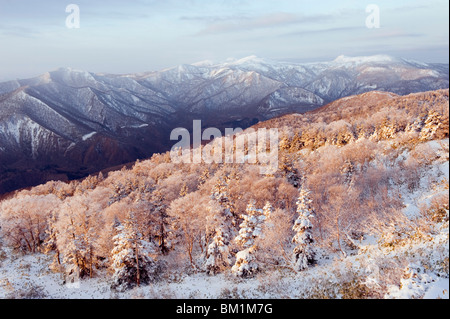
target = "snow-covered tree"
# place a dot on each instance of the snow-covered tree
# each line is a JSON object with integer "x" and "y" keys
{"x": 23, "y": 220}
{"x": 431, "y": 125}
{"x": 268, "y": 210}
{"x": 217, "y": 254}
{"x": 348, "y": 173}
{"x": 131, "y": 260}
{"x": 246, "y": 264}
{"x": 51, "y": 241}
{"x": 203, "y": 178}
{"x": 219, "y": 193}
{"x": 250, "y": 229}
{"x": 78, "y": 226}
{"x": 219, "y": 228}
{"x": 161, "y": 221}
{"x": 189, "y": 215}
{"x": 303, "y": 252}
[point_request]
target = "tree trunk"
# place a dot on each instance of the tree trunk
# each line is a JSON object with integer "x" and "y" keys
{"x": 138, "y": 273}
{"x": 339, "y": 235}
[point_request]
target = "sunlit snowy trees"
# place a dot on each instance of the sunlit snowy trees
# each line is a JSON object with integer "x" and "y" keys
{"x": 218, "y": 254}
{"x": 303, "y": 253}
{"x": 132, "y": 263}
{"x": 24, "y": 220}
{"x": 250, "y": 230}
{"x": 354, "y": 172}
{"x": 79, "y": 226}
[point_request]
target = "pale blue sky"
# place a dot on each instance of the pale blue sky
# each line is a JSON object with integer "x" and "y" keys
{"x": 143, "y": 35}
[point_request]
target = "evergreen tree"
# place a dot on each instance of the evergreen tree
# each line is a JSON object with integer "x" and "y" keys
{"x": 217, "y": 254}
{"x": 203, "y": 178}
{"x": 131, "y": 261}
{"x": 51, "y": 243}
{"x": 303, "y": 253}
{"x": 250, "y": 229}
{"x": 220, "y": 194}
{"x": 431, "y": 126}
{"x": 289, "y": 171}
{"x": 219, "y": 228}
{"x": 162, "y": 222}
{"x": 246, "y": 264}
{"x": 268, "y": 210}
{"x": 348, "y": 173}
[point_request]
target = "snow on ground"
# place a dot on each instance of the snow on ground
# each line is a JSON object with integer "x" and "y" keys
{"x": 414, "y": 267}
{"x": 333, "y": 277}
{"x": 88, "y": 136}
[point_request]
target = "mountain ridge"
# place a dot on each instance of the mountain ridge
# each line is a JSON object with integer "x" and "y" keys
{"x": 72, "y": 122}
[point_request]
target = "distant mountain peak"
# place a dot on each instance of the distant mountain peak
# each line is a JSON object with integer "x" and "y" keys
{"x": 203, "y": 63}
{"x": 245, "y": 60}
{"x": 49, "y": 121}
{"x": 365, "y": 59}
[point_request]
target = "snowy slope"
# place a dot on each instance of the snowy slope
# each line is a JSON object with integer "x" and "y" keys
{"x": 134, "y": 114}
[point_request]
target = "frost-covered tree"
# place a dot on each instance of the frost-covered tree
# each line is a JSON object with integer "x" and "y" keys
{"x": 303, "y": 253}
{"x": 51, "y": 241}
{"x": 348, "y": 173}
{"x": 189, "y": 214}
{"x": 219, "y": 228}
{"x": 251, "y": 227}
{"x": 24, "y": 220}
{"x": 161, "y": 222}
{"x": 132, "y": 263}
{"x": 203, "y": 178}
{"x": 250, "y": 230}
{"x": 274, "y": 246}
{"x": 217, "y": 254}
{"x": 268, "y": 210}
{"x": 217, "y": 234}
{"x": 245, "y": 264}
{"x": 220, "y": 194}
{"x": 431, "y": 125}
{"x": 220, "y": 198}
{"x": 79, "y": 225}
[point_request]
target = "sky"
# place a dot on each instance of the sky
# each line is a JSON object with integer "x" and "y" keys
{"x": 135, "y": 36}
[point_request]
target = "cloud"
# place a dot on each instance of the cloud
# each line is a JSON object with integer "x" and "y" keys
{"x": 18, "y": 31}
{"x": 239, "y": 24}
{"x": 389, "y": 34}
{"x": 323, "y": 31}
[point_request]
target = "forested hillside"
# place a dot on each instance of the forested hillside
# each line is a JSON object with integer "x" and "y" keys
{"x": 357, "y": 209}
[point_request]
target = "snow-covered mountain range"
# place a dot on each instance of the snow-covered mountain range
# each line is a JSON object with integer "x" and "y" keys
{"x": 68, "y": 123}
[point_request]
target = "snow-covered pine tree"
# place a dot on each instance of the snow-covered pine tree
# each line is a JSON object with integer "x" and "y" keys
{"x": 268, "y": 210}
{"x": 217, "y": 254}
{"x": 303, "y": 253}
{"x": 162, "y": 229}
{"x": 203, "y": 178}
{"x": 184, "y": 190}
{"x": 131, "y": 260}
{"x": 246, "y": 264}
{"x": 250, "y": 229}
{"x": 222, "y": 209}
{"x": 267, "y": 223}
{"x": 220, "y": 194}
{"x": 51, "y": 242}
{"x": 251, "y": 226}
{"x": 219, "y": 228}
{"x": 348, "y": 172}
{"x": 431, "y": 126}
{"x": 74, "y": 259}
